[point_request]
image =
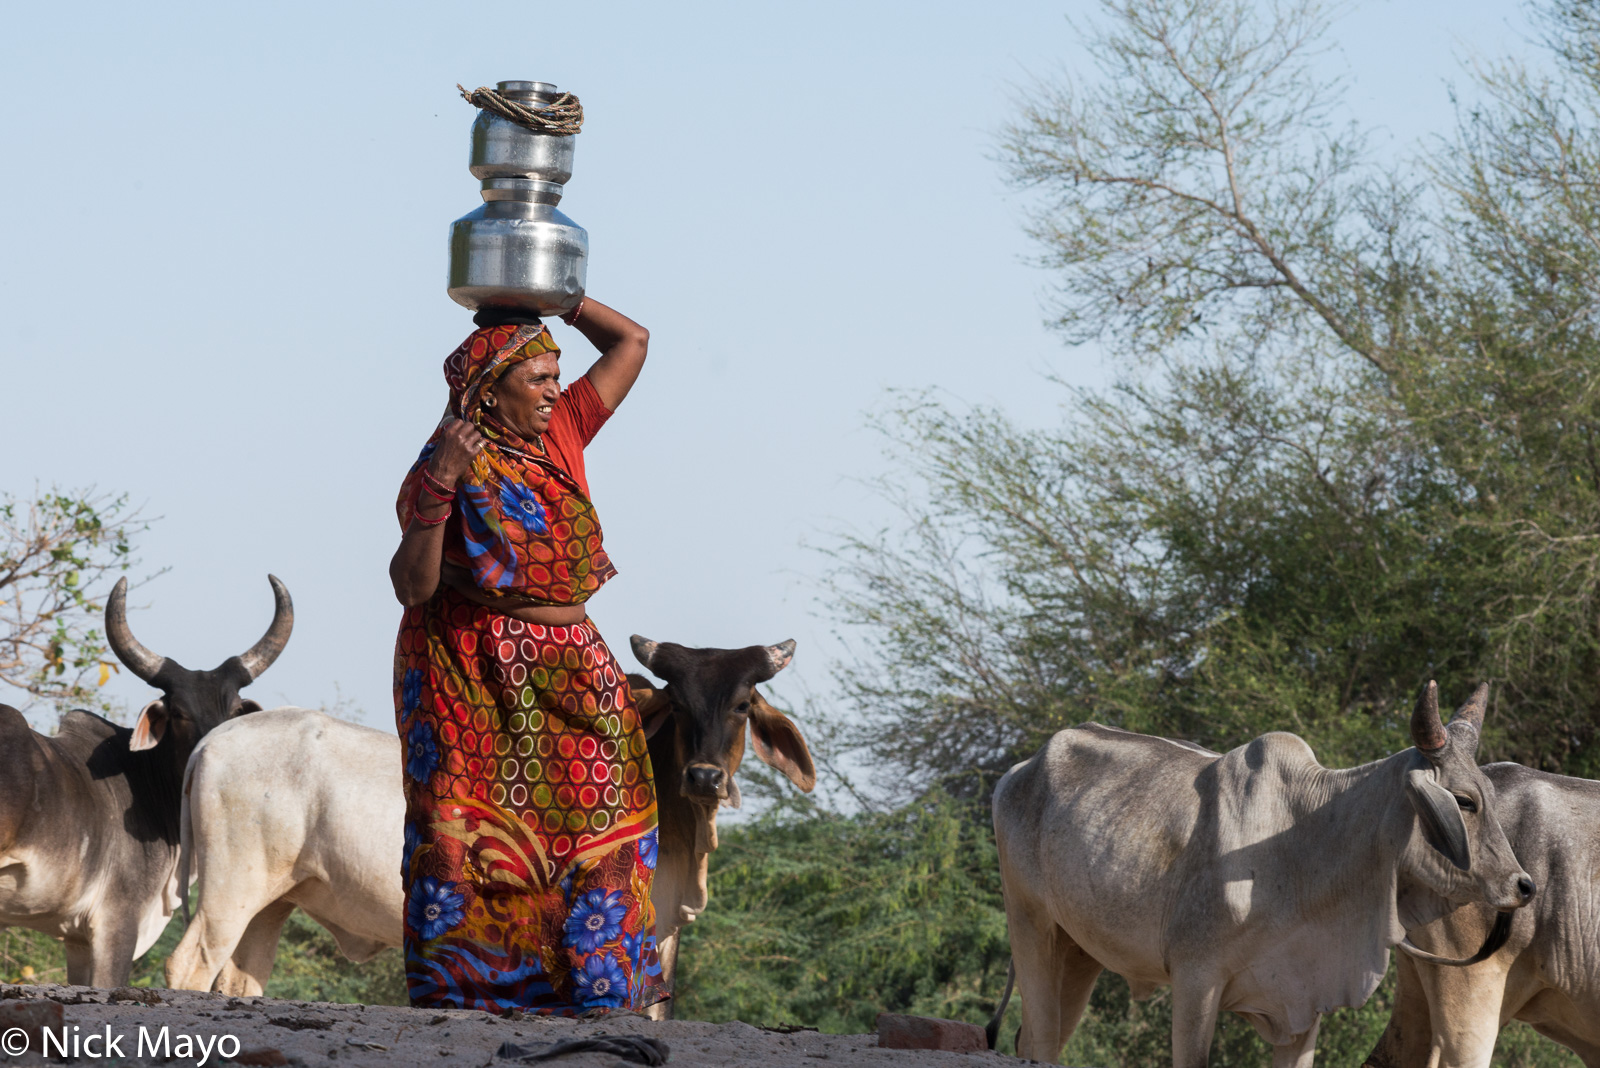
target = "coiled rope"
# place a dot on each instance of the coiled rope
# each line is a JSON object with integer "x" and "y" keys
{"x": 563, "y": 116}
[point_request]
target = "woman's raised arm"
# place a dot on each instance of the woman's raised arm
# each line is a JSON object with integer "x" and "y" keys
{"x": 622, "y": 344}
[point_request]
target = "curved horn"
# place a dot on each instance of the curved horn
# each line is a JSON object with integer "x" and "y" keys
{"x": 1427, "y": 733}
{"x": 644, "y": 650}
{"x": 260, "y": 656}
{"x": 778, "y": 657}
{"x": 135, "y": 657}
{"x": 1472, "y": 712}
{"x": 1498, "y": 934}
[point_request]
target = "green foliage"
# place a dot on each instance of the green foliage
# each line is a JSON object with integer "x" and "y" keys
{"x": 58, "y": 554}
{"x": 827, "y": 920}
{"x": 1356, "y": 444}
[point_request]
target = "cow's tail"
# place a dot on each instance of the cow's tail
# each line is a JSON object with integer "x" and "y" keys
{"x": 993, "y": 1030}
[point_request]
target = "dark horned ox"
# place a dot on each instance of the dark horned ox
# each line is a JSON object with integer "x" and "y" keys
{"x": 1255, "y": 881}
{"x": 332, "y": 846}
{"x": 1548, "y": 972}
{"x": 696, "y": 727}
{"x": 89, "y": 817}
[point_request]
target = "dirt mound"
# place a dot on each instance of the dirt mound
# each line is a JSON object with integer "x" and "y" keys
{"x": 192, "y": 1030}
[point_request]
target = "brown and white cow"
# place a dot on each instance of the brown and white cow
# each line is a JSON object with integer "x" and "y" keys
{"x": 697, "y": 725}
{"x": 89, "y": 816}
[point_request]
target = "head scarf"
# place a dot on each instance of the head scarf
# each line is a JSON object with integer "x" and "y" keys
{"x": 478, "y": 362}
{"x": 519, "y": 524}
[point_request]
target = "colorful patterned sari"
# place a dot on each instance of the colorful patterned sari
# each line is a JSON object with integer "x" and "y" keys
{"x": 530, "y": 835}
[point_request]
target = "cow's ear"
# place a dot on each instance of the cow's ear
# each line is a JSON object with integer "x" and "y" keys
{"x": 151, "y": 725}
{"x": 1440, "y": 816}
{"x": 246, "y": 705}
{"x": 779, "y": 744}
{"x": 652, "y": 701}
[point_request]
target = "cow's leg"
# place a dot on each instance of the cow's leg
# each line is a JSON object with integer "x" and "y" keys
{"x": 1411, "y": 1021}
{"x": 1196, "y": 999}
{"x": 250, "y": 966}
{"x": 1467, "y": 1002}
{"x": 206, "y": 947}
{"x": 111, "y": 945}
{"x": 80, "y": 962}
{"x": 1054, "y": 979}
{"x": 1299, "y": 1053}
{"x": 1386, "y": 1054}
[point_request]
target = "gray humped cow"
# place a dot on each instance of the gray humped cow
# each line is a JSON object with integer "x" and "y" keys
{"x": 1255, "y": 881}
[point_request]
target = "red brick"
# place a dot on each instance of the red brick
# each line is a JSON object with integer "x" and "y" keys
{"x": 925, "y": 1032}
{"x": 31, "y": 1015}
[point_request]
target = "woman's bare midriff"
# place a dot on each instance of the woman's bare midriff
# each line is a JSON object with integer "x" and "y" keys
{"x": 548, "y": 615}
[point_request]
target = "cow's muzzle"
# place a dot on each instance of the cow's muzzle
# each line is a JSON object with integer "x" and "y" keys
{"x": 705, "y": 781}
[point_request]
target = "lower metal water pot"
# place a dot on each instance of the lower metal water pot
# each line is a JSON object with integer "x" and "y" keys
{"x": 518, "y": 251}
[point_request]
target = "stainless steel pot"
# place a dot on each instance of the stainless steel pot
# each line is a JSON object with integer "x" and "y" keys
{"x": 517, "y": 250}
{"x": 502, "y": 149}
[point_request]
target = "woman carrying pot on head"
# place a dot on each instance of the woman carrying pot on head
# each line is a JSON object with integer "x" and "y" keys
{"x": 530, "y": 835}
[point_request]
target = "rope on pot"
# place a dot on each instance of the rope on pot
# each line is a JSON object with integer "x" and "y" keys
{"x": 563, "y": 116}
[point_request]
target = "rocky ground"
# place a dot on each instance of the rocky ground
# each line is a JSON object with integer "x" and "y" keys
{"x": 202, "y": 1028}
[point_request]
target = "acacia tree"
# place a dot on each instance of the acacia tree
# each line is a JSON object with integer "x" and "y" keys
{"x": 58, "y": 553}
{"x": 1353, "y": 446}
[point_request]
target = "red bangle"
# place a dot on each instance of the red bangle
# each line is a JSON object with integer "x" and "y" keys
{"x": 571, "y": 317}
{"x": 436, "y": 488}
{"x": 416, "y": 517}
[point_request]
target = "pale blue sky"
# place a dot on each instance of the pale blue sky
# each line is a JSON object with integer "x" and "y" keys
{"x": 222, "y": 280}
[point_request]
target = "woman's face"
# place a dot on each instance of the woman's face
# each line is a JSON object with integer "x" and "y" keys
{"x": 525, "y": 396}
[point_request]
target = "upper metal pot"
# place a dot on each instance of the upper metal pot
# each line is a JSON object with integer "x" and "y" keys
{"x": 502, "y": 149}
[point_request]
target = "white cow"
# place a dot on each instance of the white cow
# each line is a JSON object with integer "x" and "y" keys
{"x": 295, "y": 808}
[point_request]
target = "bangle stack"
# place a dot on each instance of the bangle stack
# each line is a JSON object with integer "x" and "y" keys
{"x": 571, "y": 317}
{"x": 440, "y": 493}
{"x": 436, "y": 489}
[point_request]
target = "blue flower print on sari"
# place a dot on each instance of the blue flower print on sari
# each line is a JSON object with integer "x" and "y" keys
{"x": 413, "y": 840}
{"x": 411, "y": 691}
{"x": 633, "y": 946}
{"x": 647, "y": 850}
{"x": 595, "y": 920}
{"x": 489, "y": 549}
{"x": 435, "y": 907}
{"x": 599, "y": 982}
{"x": 422, "y": 755}
{"x": 651, "y": 947}
{"x": 522, "y": 504}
